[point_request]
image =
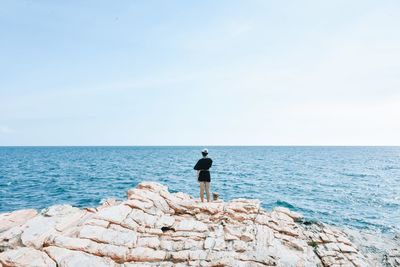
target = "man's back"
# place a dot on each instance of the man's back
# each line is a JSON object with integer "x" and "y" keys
{"x": 203, "y": 164}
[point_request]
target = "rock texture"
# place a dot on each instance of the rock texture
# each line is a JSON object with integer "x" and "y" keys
{"x": 154, "y": 227}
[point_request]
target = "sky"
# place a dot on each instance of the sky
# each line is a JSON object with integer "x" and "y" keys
{"x": 201, "y": 73}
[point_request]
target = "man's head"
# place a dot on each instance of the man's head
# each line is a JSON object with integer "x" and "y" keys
{"x": 204, "y": 152}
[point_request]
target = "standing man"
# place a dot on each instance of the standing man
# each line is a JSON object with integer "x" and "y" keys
{"x": 203, "y": 174}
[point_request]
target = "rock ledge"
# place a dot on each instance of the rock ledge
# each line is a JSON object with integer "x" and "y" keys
{"x": 154, "y": 227}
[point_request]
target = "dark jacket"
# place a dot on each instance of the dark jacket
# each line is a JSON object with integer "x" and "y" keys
{"x": 203, "y": 165}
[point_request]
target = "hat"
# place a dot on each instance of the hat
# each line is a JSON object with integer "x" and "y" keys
{"x": 205, "y": 151}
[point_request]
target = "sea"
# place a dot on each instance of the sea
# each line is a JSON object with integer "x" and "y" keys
{"x": 355, "y": 187}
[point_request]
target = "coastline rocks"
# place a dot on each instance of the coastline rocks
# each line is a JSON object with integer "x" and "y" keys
{"x": 26, "y": 257}
{"x": 154, "y": 227}
{"x": 8, "y": 220}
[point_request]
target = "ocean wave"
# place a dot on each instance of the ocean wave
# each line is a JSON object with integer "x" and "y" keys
{"x": 282, "y": 203}
{"x": 349, "y": 174}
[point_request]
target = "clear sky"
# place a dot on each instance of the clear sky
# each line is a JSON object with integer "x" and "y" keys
{"x": 200, "y": 72}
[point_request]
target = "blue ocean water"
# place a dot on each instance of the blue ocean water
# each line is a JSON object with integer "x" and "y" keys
{"x": 352, "y": 186}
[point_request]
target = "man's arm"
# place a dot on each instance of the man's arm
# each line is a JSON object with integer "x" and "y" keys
{"x": 197, "y": 167}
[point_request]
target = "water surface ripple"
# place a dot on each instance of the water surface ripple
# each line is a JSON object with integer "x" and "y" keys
{"x": 352, "y": 186}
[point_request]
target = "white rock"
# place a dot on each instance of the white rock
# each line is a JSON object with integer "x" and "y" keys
{"x": 59, "y": 210}
{"x": 131, "y": 233}
{"x": 191, "y": 225}
{"x": 68, "y": 220}
{"x": 55, "y": 218}
{"x": 71, "y": 258}
{"x": 97, "y": 222}
{"x": 131, "y": 224}
{"x": 146, "y": 254}
{"x": 147, "y": 264}
{"x": 139, "y": 204}
{"x": 108, "y": 202}
{"x": 167, "y": 245}
{"x": 37, "y": 230}
{"x": 232, "y": 232}
{"x": 346, "y": 248}
{"x": 117, "y": 253}
{"x": 165, "y": 221}
{"x": 115, "y": 214}
{"x": 209, "y": 243}
{"x": 240, "y": 246}
{"x": 158, "y": 201}
{"x": 219, "y": 244}
{"x": 100, "y": 234}
{"x": 181, "y": 195}
{"x": 247, "y": 233}
{"x": 71, "y": 242}
{"x": 244, "y": 205}
{"x": 192, "y": 244}
{"x": 11, "y": 238}
{"x": 294, "y": 215}
{"x": 26, "y": 257}
{"x": 142, "y": 218}
{"x": 180, "y": 256}
{"x": 191, "y": 235}
{"x": 197, "y": 255}
{"x": 15, "y": 218}
{"x": 225, "y": 258}
{"x": 280, "y": 216}
{"x": 149, "y": 242}
{"x": 152, "y": 186}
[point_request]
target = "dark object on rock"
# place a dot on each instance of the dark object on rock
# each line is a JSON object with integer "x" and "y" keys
{"x": 312, "y": 244}
{"x": 215, "y": 196}
{"x": 166, "y": 228}
{"x": 309, "y": 222}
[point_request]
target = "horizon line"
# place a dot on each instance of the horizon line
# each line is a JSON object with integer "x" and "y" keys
{"x": 4, "y": 146}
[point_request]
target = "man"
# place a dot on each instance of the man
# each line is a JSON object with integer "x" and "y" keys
{"x": 203, "y": 174}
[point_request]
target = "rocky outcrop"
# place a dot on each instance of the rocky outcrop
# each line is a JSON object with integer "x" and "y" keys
{"x": 154, "y": 227}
